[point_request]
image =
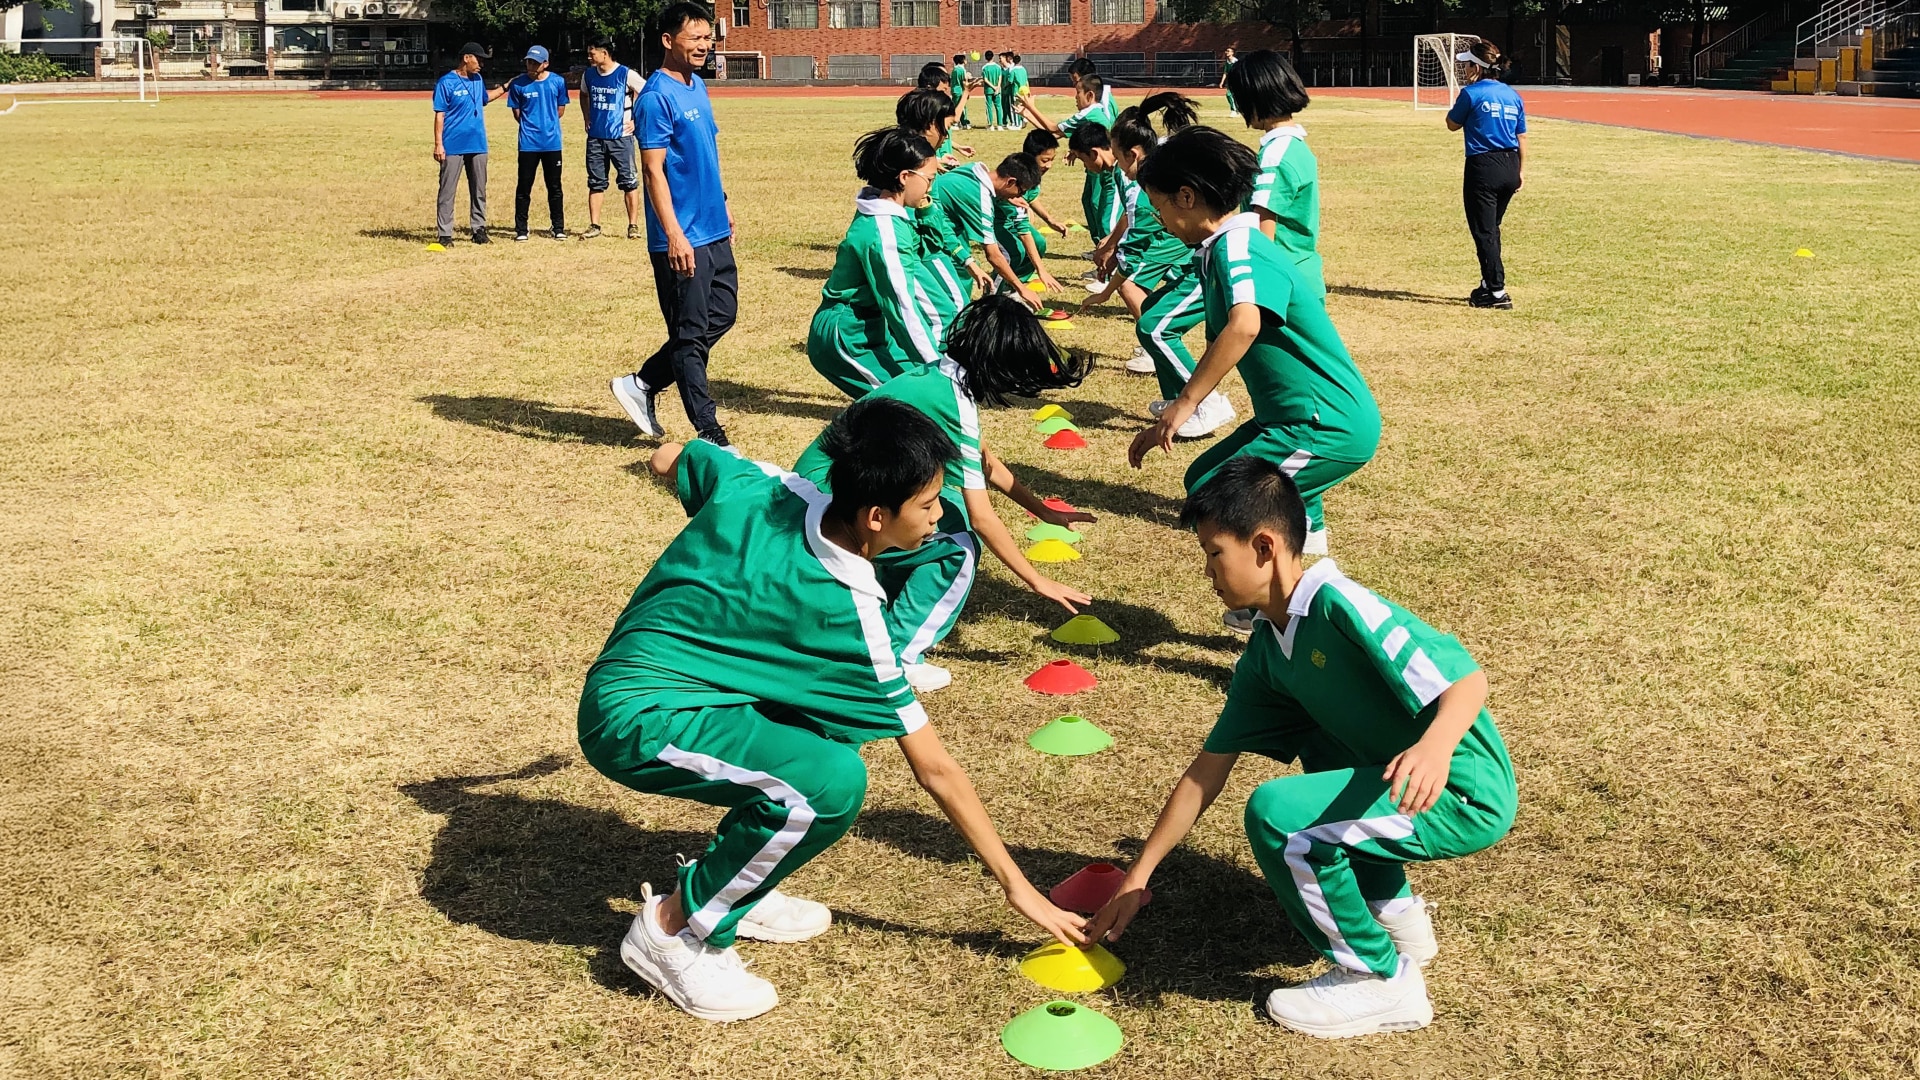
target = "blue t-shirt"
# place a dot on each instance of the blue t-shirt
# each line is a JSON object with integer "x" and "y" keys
{"x": 464, "y": 131}
{"x": 605, "y": 99}
{"x": 1490, "y": 113}
{"x": 678, "y": 118}
{"x": 539, "y": 102}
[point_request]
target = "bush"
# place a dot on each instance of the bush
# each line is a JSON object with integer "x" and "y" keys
{"x": 30, "y": 68}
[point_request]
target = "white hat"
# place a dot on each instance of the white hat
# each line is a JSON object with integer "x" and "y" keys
{"x": 1467, "y": 57}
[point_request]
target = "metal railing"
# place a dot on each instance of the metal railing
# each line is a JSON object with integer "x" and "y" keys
{"x": 1715, "y": 55}
{"x": 1840, "y": 20}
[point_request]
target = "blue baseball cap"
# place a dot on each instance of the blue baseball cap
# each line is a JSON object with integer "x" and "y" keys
{"x": 538, "y": 54}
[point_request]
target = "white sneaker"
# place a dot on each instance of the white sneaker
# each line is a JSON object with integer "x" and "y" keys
{"x": 1341, "y": 1004}
{"x": 636, "y": 398}
{"x": 1140, "y": 363}
{"x": 925, "y": 678}
{"x": 706, "y": 982}
{"x": 1316, "y": 543}
{"x": 1157, "y": 406}
{"x": 779, "y": 917}
{"x": 1214, "y": 413}
{"x": 1238, "y": 620}
{"x": 1412, "y": 931}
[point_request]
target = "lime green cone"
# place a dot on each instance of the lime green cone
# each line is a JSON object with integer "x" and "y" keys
{"x": 1061, "y": 1035}
{"x": 1053, "y": 425}
{"x": 1049, "y": 531}
{"x": 1070, "y": 736}
{"x": 1085, "y": 630}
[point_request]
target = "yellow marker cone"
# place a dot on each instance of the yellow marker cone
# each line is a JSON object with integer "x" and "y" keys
{"x": 1052, "y": 551}
{"x": 1048, "y": 412}
{"x": 1071, "y": 970}
{"x": 1036, "y": 288}
{"x": 436, "y": 246}
{"x": 1058, "y": 324}
{"x": 1085, "y": 630}
{"x": 1803, "y": 253}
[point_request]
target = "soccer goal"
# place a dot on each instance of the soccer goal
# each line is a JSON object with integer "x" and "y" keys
{"x": 1436, "y": 74}
{"x": 120, "y": 69}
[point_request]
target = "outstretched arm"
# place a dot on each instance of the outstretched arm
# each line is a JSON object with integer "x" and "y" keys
{"x": 1195, "y": 792}
{"x": 993, "y": 533}
{"x": 1223, "y": 352}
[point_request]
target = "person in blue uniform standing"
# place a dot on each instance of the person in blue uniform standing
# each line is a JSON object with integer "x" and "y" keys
{"x": 538, "y": 100}
{"x": 1495, "y": 120}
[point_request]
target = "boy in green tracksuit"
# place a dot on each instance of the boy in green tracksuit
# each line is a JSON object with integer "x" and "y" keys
{"x": 746, "y": 671}
{"x": 1017, "y": 75}
{"x": 1099, "y": 197}
{"x": 1013, "y": 218}
{"x": 966, "y": 198}
{"x": 1400, "y": 760}
{"x": 1286, "y": 191}
{"x": 991, "y": 84}
{"x": 957, "y": 84}
{"x": 947, "y": 261}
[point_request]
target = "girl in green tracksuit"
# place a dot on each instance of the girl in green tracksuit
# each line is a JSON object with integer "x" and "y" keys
{"x": 996, "y": 348}
{"x": 1286, "y": 192}
{"x": 877, "y": 316}
{"x": 947, "y": 259}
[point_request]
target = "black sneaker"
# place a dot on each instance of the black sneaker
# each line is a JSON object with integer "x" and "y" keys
{"x": 445, "y": 241}
{"x": 717, "y": 437}
{"x": 593, "y": 232}
{"x": 1479, "y": 293}
{"x": 518, "y": 238}
{"x": 1489, "y": 300}
{"x": 480, "y": 236}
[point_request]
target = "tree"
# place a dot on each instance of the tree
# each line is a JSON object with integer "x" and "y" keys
{"x": 1293, "y": 16}
{"x": 568, "y": 23}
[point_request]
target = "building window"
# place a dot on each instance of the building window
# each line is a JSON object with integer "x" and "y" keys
{"x": 853, "y": 14}
{"x": 793, "y": 15}
{"x": 916, "y": 12}
{"x": 741, "y": 10}
{"x": 299, "y": 39}
{"x": 303, "y": 5}
{"x": 986, "y": 12}
{"x": 1119, "y": 11}
{"x": 1046, "y": 12}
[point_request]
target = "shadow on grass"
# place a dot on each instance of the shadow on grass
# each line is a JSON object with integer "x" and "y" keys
{"x": 547, "y": 871}
{"x": 1097, "y": 496}
{"x": 1140, "y": 629}
{"x": 756, "y": 399}
{"x": 533, "y": 419}
{"x": 411, "y": 236}
{"x": 806, "y": 273}
{"x": 1393, "y": 294}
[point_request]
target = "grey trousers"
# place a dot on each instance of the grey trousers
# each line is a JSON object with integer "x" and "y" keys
{"x": 475, "y": 166}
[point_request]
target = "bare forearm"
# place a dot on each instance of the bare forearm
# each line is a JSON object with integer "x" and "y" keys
{"x": 998, "y": 260}
{"x": 1222, "y": 354}
{"x": 1191, "y": 796}
{"x": 943, "y": 779}
{"x": 1459, "y": 707}
{"x": 998, "y": 539}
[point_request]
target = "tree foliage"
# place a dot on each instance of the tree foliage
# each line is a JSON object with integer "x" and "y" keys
{"x": 550, "y": 22}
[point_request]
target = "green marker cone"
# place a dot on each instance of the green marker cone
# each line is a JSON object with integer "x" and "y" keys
{"x": 1061, "y": 1035}
{"x": 1070, "y": 736}
{"x": 1055, "y": 424}
{"x": 1053, "y": 532}
{"x": 1085, "y": 630}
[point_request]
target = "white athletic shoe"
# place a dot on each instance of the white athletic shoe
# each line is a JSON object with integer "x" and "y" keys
{"x": 1214, "y": 413}
{"x": 926, "y": 678}
{"x": 1341, "y": 1004}
{"x": 1157, "y": 406}
{"x": 1412, "y": 931}
{"x": 636, "y": 398}
{"x": 706, "y": 982}
{"x": 1140, "y": 363}
{"x": 1316, "y": 543}
{"x": 1238, "y": 620}
{"x": 779, "y": 917}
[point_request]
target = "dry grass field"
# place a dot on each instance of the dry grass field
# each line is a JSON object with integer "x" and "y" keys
{"x": 309, "y": 536}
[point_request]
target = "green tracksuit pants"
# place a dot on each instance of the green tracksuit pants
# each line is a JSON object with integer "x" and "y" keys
{"x": 927, "y": 587}
{"x": 1174, "y": 307}
{"x": 1313, "y": 474}
{"x": 850, "y": 349}
{"x": 789, "y": 793}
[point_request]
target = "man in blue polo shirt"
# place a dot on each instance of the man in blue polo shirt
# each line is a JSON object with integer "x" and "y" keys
{"x": 538, "y": 100}
{"x": 608, "y": 91}
{"x": 460, "y": 140}
{"x": 689, "y": 228}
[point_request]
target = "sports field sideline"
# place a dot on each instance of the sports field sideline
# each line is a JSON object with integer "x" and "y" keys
{"x": 312, "y": 533}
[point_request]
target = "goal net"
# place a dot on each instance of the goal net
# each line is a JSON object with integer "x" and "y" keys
{"x": 1436, "y": 74}
{"x": 105, "y": 69}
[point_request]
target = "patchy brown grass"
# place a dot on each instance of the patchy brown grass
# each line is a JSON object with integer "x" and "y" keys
{"x": 309, "y": 537}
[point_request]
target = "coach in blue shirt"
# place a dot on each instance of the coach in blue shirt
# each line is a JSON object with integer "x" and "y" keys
{"x": 538, "y": 100}
{"x": 460, "y": 140}
{"x": 1491, "y": 114}
{"x": 689, "y": 228}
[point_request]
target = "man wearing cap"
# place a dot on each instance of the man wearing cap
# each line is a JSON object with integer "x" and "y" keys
{"x": 607, "y": 94}
{"x": 538, "y": 100}
{"x": 689, "y": 227}
{"x": 460, "y": 139}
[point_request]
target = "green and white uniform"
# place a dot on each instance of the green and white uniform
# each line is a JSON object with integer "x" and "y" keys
{"x": 1169, "y": 311}
{"x": 964, "y": 198}
{"x": 1288, "y": 187}
{"x": 747, "y": 668}
{"x": 927, "y": 587}
{"x": 1016, "y": 90}
{"x": 1349, "y": 683}
{"x": 1312, "y": 412}
{"x": 1147, "y": 251}
{"x": 992, "y": 77}
{"x": 1224, "y": 68}
{"x": 944, "y": 258}
{"x": 1099, "y": 195}
{"x": 957, "y": 90}
{"x": 877, "y": 315}
{"x": 1012, "y": 221}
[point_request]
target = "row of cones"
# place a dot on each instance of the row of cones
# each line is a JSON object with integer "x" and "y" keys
{"x": 1063, "y": 1035}
{"x": 1057, "y": 425}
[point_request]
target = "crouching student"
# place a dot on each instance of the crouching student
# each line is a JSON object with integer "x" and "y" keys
{"x": 995, "y": 349}
{"x": 746, "y": 671}
{"x": 968, "y": 197}
{"x": 1400, "y": 760}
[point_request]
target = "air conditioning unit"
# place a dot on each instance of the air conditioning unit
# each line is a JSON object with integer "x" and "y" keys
{"x": 353, "y": 11}
{"x": 720, "y": 30}
{"x": 144, "y": 11}
{"x": 375, "y": 7}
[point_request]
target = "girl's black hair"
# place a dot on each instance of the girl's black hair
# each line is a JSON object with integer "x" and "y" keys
{"x": 1134, "y": 127}
{"x": 1265, "y": 87}
{"x": 1039, "y": 141}
{"x": 1218, "y": 167}
{"x": 1021, "y": 169}
{"x": 884, "y": 452}
{"x": 923, "y": 107}
{"x": 1088, "y": 137}
{"x": 933, "y": 75}
{"x": 1003, "y": 351}
{"x": 881, "y": 156}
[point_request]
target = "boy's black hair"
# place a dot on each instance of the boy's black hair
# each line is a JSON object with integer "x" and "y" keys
{"x": 680, "y": 14}
{"x": 1002, "y": 349}
{"x": 602, "y": 43}
{"x": 1265, "y": 87}
{"x": 1082, "y": 67}
{"x": 959, "y": 58}
{"x": 1246, "y": 495}
{"x": 884, "y": 452}
{"x": 923, "y": 107}
{"x": 1022, "y": 169}
{"x": 1218, "y": 167}
{"x": 1093, "y": 84}
{"x": 933, "y": 76}
{"x": 1039, "y": 141}
{"x": 1134, "y": 126}
{"x": 881, "y": 156}
{"x": 1088, "y": 137}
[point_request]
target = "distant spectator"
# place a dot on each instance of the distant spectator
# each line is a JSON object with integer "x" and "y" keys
{"x": 1495, "y": 121}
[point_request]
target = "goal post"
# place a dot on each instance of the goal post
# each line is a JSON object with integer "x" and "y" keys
{"x": 119, "y": 69}
{"x": 1436, "y": 72}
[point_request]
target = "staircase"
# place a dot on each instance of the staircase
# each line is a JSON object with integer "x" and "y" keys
{"x": 1757, "y": 68}
{"x": 1857, "y": 47}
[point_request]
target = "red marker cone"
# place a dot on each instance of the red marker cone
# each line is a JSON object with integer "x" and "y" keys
{"x": 1065, "y": 440}
{"x": 1057, "y": 503}
{"x": 1061, "y": 677}
{"x": 1089, "y": 889}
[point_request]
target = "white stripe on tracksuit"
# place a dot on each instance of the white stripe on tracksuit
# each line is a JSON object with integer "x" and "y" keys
{"x": 950, "y": 601}
{"x": 800, "y": 817}
{"x": 1341, "y": 834}
{"x": 1158, "y": 334}
{"x": 904, "y": 292}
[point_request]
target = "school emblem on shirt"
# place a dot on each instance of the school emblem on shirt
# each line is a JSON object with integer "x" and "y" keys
{"x": 1319, "y": 658}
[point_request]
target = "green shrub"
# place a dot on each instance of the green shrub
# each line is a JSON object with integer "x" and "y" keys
{"x": 30, "y": 68}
